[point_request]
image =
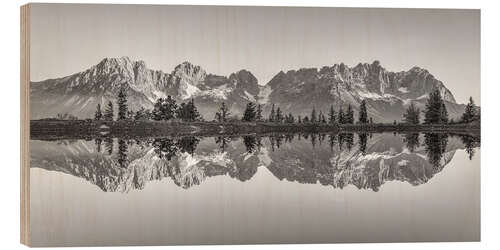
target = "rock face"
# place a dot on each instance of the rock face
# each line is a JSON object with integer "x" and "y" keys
{"x": 387, "y": 93}
{"x": 385, "y": 158}
{"x": 297, "y": 91}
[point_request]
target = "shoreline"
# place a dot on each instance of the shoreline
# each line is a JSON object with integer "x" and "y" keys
{"x": 74, "y": 129}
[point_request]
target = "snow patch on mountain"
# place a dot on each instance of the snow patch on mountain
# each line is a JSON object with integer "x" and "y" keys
{"x": 189, "y": 91}
{"x": 249, "y": 96}
{"x": 403, "y": 90}
{"x": 264, "y": 93}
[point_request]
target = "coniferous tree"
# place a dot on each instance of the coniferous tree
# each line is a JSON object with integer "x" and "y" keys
{"x": 321, "y": 117}
{"x": 363, "y": 114}
{"x": 349, "y": 115}
{"x": 412, "y": 115}
{"x": 435, "y": 111}
{"x": 164, "y": 109}
{"x": 108, "y": 113}
{"x": 122, "y": 105}
{"x": 272, "y": 115}
{"x": 98, "y": 113}
{"x": 470, "y": 114}
{"x": 195, "y": 114}
{"x": 341, "y": 116}
{"x": 299, "y": 119}
{"x": 444, "y": 114}
{"x": 279, "y": 116}
{"x": 157, "y": 113}
{"x": 314, "y": 119}
{"x": 182, "y": 112}
{"x": 223, "y": 114}
{"x": 169, "y": 108}
{"x": 140, "y": 114}
{"x": 331, "y": 115}
{"x": 258, "y": 115}
{"x": 250, "y": 113}
{"x": 188, "y": 112}
{"x": 306, "y": 119}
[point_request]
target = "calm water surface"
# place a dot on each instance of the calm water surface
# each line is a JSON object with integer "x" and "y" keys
{"x": 310, "y": 188}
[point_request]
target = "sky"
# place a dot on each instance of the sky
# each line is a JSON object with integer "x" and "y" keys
{"x": 69, "y": 38}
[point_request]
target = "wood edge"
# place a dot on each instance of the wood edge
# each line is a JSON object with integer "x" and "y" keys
{"x": 24, "y": 85}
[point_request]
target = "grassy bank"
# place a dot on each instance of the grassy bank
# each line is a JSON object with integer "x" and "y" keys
{"x": 57, "y": 129}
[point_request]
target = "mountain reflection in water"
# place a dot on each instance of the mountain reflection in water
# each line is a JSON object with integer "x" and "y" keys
{"x": 366, "y": 161}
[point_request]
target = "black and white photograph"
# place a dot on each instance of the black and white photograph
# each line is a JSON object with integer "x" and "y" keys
{"x": 201, "y": 125}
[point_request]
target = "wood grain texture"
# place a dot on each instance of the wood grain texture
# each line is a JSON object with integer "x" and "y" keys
{"x": 25, "y": 78}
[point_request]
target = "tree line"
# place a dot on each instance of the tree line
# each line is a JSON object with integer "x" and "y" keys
{"x": 436, "y": 113}
{"x": 166, "y": 109}
{"x": 253, "y": 113}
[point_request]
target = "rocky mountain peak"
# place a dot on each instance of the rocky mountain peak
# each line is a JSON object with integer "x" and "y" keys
{"x": 244, "y": 79}
{"x": 190, "y": 71}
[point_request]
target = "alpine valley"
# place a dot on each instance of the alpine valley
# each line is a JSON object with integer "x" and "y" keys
{"x": 297, "y": 91}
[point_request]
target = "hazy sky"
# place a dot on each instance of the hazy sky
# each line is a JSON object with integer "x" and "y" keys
{"x": 68, "y": 38}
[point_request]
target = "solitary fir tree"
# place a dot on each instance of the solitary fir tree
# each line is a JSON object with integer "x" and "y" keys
{"x": 314, "y": 118}
{"x": 470, "y": 114}
{"x": 122, "y": 105}
{"x": 108, "y": 113}
{"x": 279, "y": 116}
{"x": 349, "y": 115}
{"x": 341, "y": 116}
{"x": 272, "y": 115}
{"x": 435, "y": 111}
{"x": 363, "y": 114}
{"x": 444, "y": 114}
{"x": 193, "y": 113}
{"x": 412, "y": 115}
{"x": 322, "y": 117}
{"x": 98, "y": 113}
{"x": 223, "y": 114}
{"x": 331, "y": 115}
{"x": 250, "y": 113}
{"x": 258, "y": 115}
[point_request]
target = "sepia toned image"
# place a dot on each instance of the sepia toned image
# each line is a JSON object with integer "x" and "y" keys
{"x": 175, "y": 125}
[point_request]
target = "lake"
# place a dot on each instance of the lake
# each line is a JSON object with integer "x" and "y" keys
{"x": 272, "y": 188}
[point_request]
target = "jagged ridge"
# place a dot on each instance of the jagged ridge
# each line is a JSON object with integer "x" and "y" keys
{"x": 297, "y": 91}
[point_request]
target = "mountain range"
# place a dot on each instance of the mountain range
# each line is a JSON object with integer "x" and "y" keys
{"x": 297, "y": 91}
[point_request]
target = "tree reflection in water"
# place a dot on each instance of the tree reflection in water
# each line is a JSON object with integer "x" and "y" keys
{"x": 108, "y": 142}
{"x": 347, "y": 139}
{"x": 362, "y": 139}
{"x": 435, "y": 147}
{"x": 166, "y": 148}
{"x": 470, "y": 142}
{"x": 98, "y": 142}
{"x": 222, "y": 141}
{"x": 412, "y": 141}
